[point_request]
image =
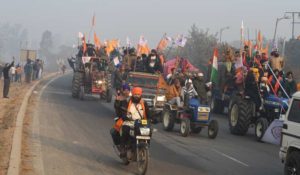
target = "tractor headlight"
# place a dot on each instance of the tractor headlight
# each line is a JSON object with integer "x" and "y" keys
{"x": 145, "y": 131}
{"x": 203, "y": 109}
{"x": 99, "y": 82}
{"x": 161, "y": 98}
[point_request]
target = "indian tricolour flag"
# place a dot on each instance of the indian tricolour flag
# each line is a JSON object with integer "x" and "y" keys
{"x": 214, "y": 70}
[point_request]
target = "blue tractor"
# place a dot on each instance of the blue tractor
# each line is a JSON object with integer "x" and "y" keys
{"x": 192, "y": 118}
{"x": 243, "y": 114}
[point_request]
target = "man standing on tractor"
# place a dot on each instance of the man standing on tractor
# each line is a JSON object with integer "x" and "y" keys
{"x": 276, "y": 61}
{"x": 188, "y": 91}
{"x": 153, "y": 64}
{"x": 201, "y": 88}
{"x": 251, "y": 88}
{"x": 136, "y": 110}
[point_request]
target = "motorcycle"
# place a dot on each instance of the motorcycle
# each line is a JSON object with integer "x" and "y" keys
{"x": 137, "y": 147}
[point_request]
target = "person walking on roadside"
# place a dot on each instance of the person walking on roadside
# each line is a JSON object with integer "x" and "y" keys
{"x": 19, "y": 74}
{"x": 6, "y": 78}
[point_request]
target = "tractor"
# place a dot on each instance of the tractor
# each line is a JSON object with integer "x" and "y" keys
{"x": 91, "y": 76}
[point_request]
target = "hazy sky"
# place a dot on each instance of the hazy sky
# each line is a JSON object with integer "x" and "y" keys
{"x": 151, "y": 18}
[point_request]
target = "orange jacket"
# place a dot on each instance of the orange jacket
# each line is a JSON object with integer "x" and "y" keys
{"x": 172, "y": 92}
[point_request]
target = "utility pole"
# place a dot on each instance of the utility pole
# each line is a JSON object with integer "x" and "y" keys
{"x": 276, "y": 24}
{"x": 293, "y": 23}
{"x": 221, "y": 31}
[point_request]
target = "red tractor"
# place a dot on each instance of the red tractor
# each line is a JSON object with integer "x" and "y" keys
{"x": 91, "y": 77}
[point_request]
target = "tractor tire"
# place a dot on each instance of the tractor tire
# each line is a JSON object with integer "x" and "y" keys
{"x": 239, "y": 116}
{"x": 213, "y": 129}
{"x": 168, "y": 120}
{"x": 260, "y": 128}
{"x": 76, "y": 83}
{"x": 108, "y": 95}
{"x": 185, "y": 127}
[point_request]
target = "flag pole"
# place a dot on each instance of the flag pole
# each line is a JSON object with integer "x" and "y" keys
{"x": 92, "y": 27}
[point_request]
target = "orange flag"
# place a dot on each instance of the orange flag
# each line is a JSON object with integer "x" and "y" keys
{"x": 111, "y": 45}
{"x": 162, "y": 44}
{"x": 259, "y": 40}
{"x": 143, "y": 49}
{"x": 84, "y": 45}
{"x": 97, "y": 41}
{"x": 265, "y": 50}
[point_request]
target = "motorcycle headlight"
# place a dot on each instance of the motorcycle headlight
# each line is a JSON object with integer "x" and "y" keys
{"x": 161, "y": 98}
{"x": 145, "y": 131}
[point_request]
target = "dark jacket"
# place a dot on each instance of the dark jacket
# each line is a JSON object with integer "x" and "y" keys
{"x": 157, "y": 66}
{"x": 121, "y": 108}
{"x": 251, "y": 89}
{"x": 6, "y": 70}
{"x": 291, "y": 87}
{"x": 138, "y": 66}
{"x": 200, "y": 87}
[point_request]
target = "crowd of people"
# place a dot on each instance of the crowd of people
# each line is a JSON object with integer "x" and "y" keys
{"x": 12, "y": 73}
{"x": 256, "y": 75}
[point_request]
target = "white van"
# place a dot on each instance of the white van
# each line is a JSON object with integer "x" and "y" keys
{"x": 290, "y": 139}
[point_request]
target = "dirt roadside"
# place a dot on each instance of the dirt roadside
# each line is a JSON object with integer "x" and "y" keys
{"x": 27, "y": 155}
{"x": 9, "y": 109}
{"x": 8, "y": 112}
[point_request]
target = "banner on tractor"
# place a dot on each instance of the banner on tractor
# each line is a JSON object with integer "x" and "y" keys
{"x": 86, "y": 59}
{"x": 273, "y": 133}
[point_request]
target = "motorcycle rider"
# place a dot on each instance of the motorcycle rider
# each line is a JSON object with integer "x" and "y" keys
{"x": 137, "y": 109}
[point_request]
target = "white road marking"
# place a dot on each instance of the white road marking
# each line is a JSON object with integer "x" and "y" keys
{"x": 231, "y": 158}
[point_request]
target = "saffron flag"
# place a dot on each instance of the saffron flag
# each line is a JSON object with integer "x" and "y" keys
{"x": 265, "y": 50}
{"x": 259, "y": 40}
{"x": 142, "y": 47}
{"x": 111, "y": 45}
{"x": 84, "y": 47}
{"x": 97, "y": 41}
{"x": 163, "y": 43}
{"x": 214, "y": 70}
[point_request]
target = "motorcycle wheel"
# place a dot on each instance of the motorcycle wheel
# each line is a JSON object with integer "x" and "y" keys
{"x": 142, "y": 160}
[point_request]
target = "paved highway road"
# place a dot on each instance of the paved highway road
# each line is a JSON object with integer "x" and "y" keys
{"x": 72, "y": 137}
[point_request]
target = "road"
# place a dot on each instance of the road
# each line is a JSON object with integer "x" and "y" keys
{"x": 72, "y": 137}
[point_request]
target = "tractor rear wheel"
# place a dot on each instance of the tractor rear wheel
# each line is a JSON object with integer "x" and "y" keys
{"x": 76, "y": 83}
{"x": 239, "y": 116}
